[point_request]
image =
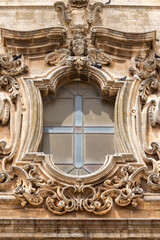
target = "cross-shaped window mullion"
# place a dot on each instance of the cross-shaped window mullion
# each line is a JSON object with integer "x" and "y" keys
{"x": 78, "y": 130}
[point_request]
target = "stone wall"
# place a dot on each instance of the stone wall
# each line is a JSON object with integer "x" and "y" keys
{"x": 130, "y": 16}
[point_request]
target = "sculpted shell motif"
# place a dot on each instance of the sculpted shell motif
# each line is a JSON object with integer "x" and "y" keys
{"x": 31, "y": 175}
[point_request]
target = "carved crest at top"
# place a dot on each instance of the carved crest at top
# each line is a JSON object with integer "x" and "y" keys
{"x": 78, "y": 15}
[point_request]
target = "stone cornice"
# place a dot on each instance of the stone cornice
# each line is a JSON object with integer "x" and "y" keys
{"x": 121, "y": 43}
{"x": 79, "y": 228}
{"x": 31, "y": 42}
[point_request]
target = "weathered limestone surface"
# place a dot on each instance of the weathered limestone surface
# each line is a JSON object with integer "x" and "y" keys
{"x": 39, "y": 53}
{"x": 27, "y": 229}
{"x": 130, "y": 16}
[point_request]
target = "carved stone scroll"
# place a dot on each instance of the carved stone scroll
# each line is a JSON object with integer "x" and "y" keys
{"x": 122, "y": 190}
{"x": 146, "y": 72}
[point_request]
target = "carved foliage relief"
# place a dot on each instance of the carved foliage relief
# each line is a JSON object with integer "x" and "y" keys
{"x": 79, "y": 55}
{"x": 147, "y": 72}
{"x": 10, "y": 103}
{"x": 125, "y": 176}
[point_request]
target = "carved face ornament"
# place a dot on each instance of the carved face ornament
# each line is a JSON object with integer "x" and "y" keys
{"x": 78, "y": 45}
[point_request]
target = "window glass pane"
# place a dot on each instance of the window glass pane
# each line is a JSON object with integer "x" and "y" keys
{"x": 60, "y": 146}
{"x": 63, "y": 93}
{"x": 91, "y": 167}
{"x": 98, "y": 112}
{"x": 64, "y": 167}
{"x": 78, "y": 128}
{"x": 97, "y": 146}
{"x": 83, "y": 172}
{"x": 93, "y": 93}
{"x": 58, "y": 112}
{"x": 84, "y": 88}
{"x": 74, "y": 172}
{"x": 72, "y": 87}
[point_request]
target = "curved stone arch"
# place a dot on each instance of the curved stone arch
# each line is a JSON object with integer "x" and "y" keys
{"x": 35, "y": 88}
{"x": 60, "y": 75}
{"x": 35, "y": 168}
{"x": 40, "y": 86}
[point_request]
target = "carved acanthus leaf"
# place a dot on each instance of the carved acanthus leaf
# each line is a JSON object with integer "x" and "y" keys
{"x": 79, "y": 56}
{"x": 153, "y": 148}
{"x": 58, "y": 57}
{"x": 78, "y": 63}
{"x": 99, "y": 200}
{"x": 10, "y": 85}
{"x": 146, "y": 72}
{"x": 144, "y": 69}
{"x": 99, "y": 56}
{"x": 60, "y": 198}
{"x": 148, "y": 87}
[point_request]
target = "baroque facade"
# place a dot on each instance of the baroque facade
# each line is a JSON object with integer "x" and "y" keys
{"x": 80, "y": 120}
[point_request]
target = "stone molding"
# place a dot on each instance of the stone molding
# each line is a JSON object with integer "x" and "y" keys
{"x": 33, "y": 42}
{"x": 126, "y": 176}
{"x": 79, "y": 228}
{"x": 122, "y": 43}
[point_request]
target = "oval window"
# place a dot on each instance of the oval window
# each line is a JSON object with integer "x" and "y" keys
{"x": 78, "y": 128}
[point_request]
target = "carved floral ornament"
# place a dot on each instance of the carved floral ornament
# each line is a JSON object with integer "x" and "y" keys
{"x": 78, "y": 56}
{"x": 126, "y": 176}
